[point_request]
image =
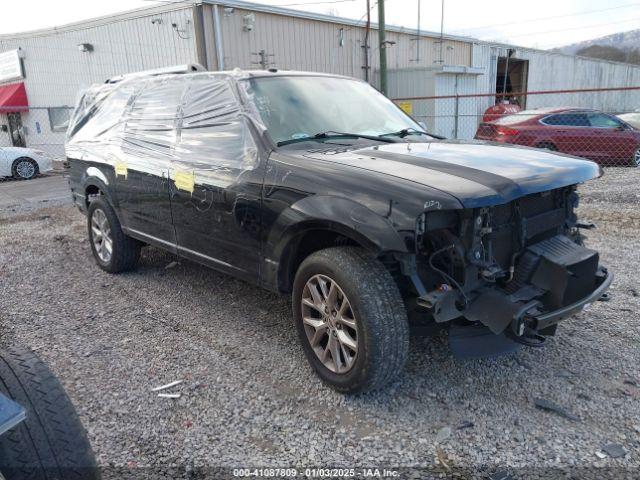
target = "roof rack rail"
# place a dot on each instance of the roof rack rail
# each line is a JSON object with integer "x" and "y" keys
{"x": 177, "y": 69}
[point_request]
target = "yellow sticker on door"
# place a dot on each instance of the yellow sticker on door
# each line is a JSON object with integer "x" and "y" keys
{"x": 121, "y": 168}
{"x": 184, "y": 180}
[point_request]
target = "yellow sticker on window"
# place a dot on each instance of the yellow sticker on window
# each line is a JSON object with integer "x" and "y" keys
{"x": 184, "y": 180}
{"x": 121, "y": 168}
{"x": 407, "y": 107}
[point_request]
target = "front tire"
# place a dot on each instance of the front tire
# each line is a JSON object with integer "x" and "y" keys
{"x": 24, "y": 168}
{"x": 113, "y": 251}
{"x": 351, "y": 319}
{"x": 50, "y": 442}
{"x": 635, "y": 161}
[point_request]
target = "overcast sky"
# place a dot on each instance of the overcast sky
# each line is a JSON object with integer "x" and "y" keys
{"x": 537, "y": 23}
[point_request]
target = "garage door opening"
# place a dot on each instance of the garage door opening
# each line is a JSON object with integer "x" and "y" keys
{"x": 512, "y": 74}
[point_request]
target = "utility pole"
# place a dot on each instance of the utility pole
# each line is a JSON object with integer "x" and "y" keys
{"x": 367, "y": 31}
{"x": 441, "y": 59}
{"x": 417, "y": 39}
{"x": 383, "y": 47}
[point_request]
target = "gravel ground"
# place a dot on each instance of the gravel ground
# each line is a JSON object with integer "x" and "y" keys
{"x": 250, "y": 400}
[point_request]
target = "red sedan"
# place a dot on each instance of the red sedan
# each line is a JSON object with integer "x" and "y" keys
{"x": 590, "y": 134}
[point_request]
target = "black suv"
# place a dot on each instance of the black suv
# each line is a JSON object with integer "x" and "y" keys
{"x": 319, "y": 186}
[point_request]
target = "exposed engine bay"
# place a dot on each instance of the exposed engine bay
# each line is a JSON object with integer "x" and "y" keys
{"x": 518, "y": 268}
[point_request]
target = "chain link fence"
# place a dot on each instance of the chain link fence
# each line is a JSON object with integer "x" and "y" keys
{"x": 602, "y": 125}
{"x": 32, "y": 141}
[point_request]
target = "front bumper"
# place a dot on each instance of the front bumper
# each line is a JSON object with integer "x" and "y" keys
{"x": 554, "y": 279}
{"x": 544, "y": 320}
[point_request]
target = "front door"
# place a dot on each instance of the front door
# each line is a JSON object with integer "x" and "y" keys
{"x": 612, "y": 142}
{"x": 142, "y": 169}
{"x": 16, "y": 132}
{"x": 216, "y": 181}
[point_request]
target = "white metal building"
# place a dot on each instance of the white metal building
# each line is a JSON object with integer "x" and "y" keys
{"x": 53, "y": 65}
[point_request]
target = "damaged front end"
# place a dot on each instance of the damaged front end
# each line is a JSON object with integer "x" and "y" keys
{"x": 509, "y": 271}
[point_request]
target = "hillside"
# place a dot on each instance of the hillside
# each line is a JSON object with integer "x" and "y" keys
{"x": 619, "y": 47}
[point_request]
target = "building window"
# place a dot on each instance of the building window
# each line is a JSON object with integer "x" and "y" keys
{"x": 59, "y": 118}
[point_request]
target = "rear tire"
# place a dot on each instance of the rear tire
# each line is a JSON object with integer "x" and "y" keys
{"x": 51, "y": 442}
{"x": 635, "y": 161}
{"x": 381, "y": 328}
{"x": 113, "y": 251}
{"x": 24, "y": 168}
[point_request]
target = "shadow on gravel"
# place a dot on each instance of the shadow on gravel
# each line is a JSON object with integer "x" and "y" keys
{"x": 432, "y": 373}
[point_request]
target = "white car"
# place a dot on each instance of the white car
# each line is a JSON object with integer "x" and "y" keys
{"x": 23, "y": 163}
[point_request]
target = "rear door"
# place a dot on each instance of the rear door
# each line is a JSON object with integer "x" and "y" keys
{"x": 216, "y": 181}
{"x": 148, "y": 147}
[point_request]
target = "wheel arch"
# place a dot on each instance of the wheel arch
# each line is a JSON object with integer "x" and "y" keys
{"x": 320, "y": 222}
{"x": 95, "y": 182}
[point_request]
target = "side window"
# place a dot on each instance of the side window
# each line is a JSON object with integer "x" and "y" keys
{"x": 567, "y": 120}
{"x": 214, "y": 132}
{"x": 152, "y": 119}
{"x": 603, "y": 121}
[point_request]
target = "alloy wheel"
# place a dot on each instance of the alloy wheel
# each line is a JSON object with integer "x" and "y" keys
{"x": 330, "y": 323}
{"x": 101, "y": 235}
{"x": 25, "y": 169}
{"x": 636, "y": 158}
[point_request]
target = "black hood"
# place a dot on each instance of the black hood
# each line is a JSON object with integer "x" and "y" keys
{"x": 477, "y": 174}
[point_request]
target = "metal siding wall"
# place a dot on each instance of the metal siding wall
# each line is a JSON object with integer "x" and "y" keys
{"x": 548, "y": 71}
{"x": 551, "y": 71}
{"x": 312, "y": 45}
{"x": 486, "y": 57}
{"x": 56, "y": 71}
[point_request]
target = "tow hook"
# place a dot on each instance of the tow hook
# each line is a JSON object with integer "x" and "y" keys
{"x": 522, "y": 332}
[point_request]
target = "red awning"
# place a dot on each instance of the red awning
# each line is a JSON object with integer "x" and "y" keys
{"x": 13, "y": 98}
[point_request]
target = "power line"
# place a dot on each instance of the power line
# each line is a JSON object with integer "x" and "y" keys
{"x": 545, "y": 18}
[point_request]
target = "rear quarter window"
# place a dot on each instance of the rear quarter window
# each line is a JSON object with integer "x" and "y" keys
{"x": 98, "y": 116}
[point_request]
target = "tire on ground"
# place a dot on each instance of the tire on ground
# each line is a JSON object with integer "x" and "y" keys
{"x": 126, "y": 250}
{"x": 383, "y": 329}
{"x": 50, "y": 442}
{"x": 17, "y": 161}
